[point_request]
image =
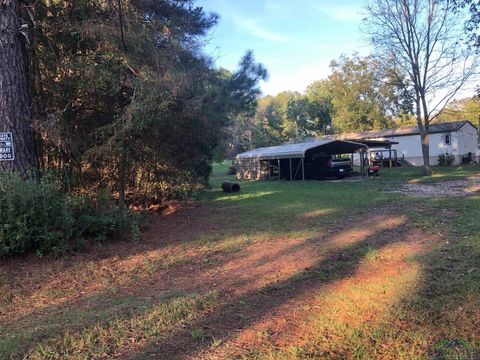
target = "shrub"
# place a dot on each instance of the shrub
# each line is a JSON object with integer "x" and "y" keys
{"x": 33, "y": 215}
{"x": 98, "y": 218}
{"x": 446, "y": 159}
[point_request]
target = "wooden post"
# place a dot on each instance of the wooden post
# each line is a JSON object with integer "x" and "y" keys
{"x": 269, "y": 169}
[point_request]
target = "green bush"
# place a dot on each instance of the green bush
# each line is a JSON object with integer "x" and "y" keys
{"x": 446, "y": 159}
{"x": 97, "y": 217}
{"x": 33, "y": 216}
{"x": 36, "y": 216}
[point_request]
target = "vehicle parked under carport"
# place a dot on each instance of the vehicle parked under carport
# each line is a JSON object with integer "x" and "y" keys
{"x": 324, "y": 165}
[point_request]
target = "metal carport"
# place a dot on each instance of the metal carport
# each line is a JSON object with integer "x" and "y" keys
{"x": 251, "y": 164}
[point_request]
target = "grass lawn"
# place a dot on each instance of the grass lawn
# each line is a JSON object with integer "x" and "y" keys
{"x": 281, "y": 270}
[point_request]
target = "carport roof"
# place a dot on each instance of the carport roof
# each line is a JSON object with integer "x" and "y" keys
{"x": 298, "y": 150}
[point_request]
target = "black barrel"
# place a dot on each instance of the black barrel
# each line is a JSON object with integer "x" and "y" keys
{"x": 229, "y": 186}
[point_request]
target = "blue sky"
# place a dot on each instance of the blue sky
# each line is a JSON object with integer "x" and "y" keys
{"x": 294, "y": 39}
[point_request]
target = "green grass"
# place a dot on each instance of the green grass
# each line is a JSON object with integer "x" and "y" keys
{"x": 440, "y": 173}
{"x": 428, "y": 308}
{"x": 131, "y": 321}
{"x": 450, "y": 273}
{"x": 280, "y": 206}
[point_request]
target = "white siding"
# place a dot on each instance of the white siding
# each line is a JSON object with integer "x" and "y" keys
{"x": 467, "y": 138}
{"x": 461, "y": 143}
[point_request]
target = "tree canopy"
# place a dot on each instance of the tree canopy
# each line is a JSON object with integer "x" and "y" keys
{"x": 364, "y": 95}
{"x": 124, "y": 97}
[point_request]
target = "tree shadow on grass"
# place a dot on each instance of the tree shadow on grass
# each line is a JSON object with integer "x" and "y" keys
{"x": 241, "y": 312}
{"x": 225, "y": 320}
{"x": 444, "y": 311}
{"x": 198, "y": 227}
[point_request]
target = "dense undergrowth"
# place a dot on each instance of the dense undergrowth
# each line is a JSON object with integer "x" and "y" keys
{"x": 36, "y": 216}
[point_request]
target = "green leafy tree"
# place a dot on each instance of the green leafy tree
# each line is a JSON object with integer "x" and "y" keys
{"x": 319, "y": 97}
{"x": 463, "y": 109}
{"x": 239, "y": 103}
{"x": 362, "y": 96}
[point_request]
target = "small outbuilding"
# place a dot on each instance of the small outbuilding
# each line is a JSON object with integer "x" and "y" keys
{"x": 291, "y": 161}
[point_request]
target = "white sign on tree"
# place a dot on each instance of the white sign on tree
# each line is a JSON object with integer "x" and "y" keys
{"x": 6, "y": 146}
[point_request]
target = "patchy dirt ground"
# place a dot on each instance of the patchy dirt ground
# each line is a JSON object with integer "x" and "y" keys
{"x": 470, "y": 185}
{"x": 349, "y": 274}
{"x": 269, "y": 288}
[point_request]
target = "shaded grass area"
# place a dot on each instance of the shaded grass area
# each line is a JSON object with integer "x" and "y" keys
{"x": 100, "y": 332}
{"x": 429, "y": 307}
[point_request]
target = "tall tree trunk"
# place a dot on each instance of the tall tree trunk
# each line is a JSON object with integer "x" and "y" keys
{"x": 425, "y": 138}
{"x": 15, "y": 99}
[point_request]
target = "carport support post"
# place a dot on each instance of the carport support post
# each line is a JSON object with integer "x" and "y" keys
{"x": 362, "y": 161}
{"x": 390, "y": 154}
{"x": 365, "y": 167}
{"x": 279, "y": 177}
{"x": 303, "y": 168}
{"x": 360, "y": 154}
{"x": 290, "y": 169}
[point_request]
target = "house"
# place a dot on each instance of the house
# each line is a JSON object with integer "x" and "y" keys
{"x": 459, "y": 138}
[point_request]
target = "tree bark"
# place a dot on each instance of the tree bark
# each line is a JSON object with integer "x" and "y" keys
{"x": 15, "y": 99}
{"x": 425, "y": 138}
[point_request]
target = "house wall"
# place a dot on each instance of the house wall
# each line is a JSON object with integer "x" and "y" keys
{"x": 468, "y": 140}
{"x": 462, "y": 142}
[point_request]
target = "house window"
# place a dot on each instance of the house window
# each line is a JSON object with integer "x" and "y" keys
{"x": 447, "y": 139}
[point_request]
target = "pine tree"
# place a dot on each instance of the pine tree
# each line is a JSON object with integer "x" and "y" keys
{"x": 15, "y": 99}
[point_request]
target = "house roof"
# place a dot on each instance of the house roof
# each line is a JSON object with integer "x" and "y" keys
{"x": 405, "y": 131}
{"x": 298, "y": 150}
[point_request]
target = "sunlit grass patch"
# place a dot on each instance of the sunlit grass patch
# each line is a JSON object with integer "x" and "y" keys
{"x": 244, "y": 196}
{"x": 153, "y": 265}
{"x": 351, "y": 317}
{"x": 317, "y": 213}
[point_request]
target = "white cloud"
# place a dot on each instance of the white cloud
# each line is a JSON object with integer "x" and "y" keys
{"x": 340, "y": 12}
{"x": 253, "y": 28}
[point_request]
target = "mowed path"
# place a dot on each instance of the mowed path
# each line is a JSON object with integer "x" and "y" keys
{"x": 276, "y": 294}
